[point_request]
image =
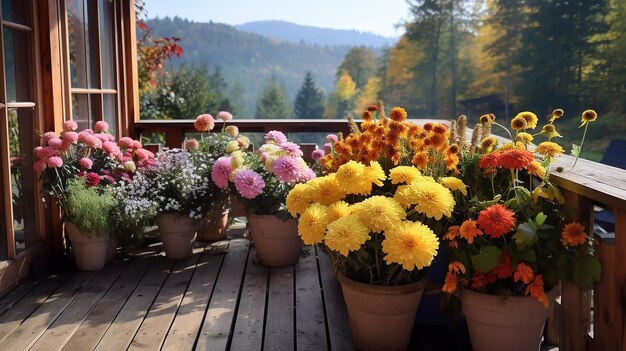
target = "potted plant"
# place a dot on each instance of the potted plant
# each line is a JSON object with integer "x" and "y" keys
{"x": 261, "y": 180}
{"x": 386, "y": 196}
{"x": 513, "y": 245}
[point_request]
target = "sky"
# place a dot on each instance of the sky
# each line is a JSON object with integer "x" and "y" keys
{"x": 376, "y": 16}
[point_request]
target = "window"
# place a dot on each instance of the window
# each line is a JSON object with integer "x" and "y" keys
{"x": 92, "y": 62}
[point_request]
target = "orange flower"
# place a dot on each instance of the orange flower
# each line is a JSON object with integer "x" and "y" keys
{"x": 535, "y": 168}
{"x": 496, "y": 220}
{"x": 428, "y": 126}
{"x": 573, "y": 234}
{"x": 515, "y": 158}
{"x": 489, "y": 160}
{"x": 537, "y": 291}
{"x": 456, "y": 267}
{"x": 367, "y": 116}
{"x": 440, "y": 128}
{"x": 479, "y": 280}
{"x": 505, "y": 269}
{"x": 453, "y": 233}
{"x": 420, "y": 160}
{"x": 398, "y": 114}
{"x": 524, "y": 273}
{"x": 469, "y": 230}
{"x": 451, "y": 283}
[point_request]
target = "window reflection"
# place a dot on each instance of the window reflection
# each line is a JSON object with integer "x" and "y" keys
{"x": 17, "y": 64}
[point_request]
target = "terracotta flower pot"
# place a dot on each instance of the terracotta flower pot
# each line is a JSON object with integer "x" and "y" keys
{"x": 213, "y": 229}
{"x": 512, "y": 324}
{"x": 177, "y": 233}
{"x": 89, "y": 252}
{"x": 381, "y": 317}
{"x": 277, "y": 242}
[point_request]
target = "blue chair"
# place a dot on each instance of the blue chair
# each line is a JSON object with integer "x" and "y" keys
{"x": 615, "y": 156}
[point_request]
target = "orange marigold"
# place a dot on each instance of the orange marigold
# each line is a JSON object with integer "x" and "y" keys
{"x": 515, "y": 158}
{"x": 398, "y": 114}
{"x": 451, "y": 284}
{"x": 496, "y": 220}
{"x": 505, "y": 269}
{"x": 489, "y": 160}
{"x": 428, "y": 126}
{"x": 440, "y": 128}
{"x": 420, "y": 160}
{"x": 524, "y": 273}
{"x": 456, "y": 267}
{"x": 453, "y": 232}
{"x": 469, "y": 230}
{"x": 537, "y": 291}
{"x": 573, "y": 234}
{"x": 367, "y": 116}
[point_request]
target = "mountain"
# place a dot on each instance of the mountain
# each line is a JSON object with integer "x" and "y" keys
{"x": 249, "y": 61}
{"x": 295, "y": 33}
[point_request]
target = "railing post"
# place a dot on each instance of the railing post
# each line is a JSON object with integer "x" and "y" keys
{"x": 174, "y": 137}
{"x": 620, "y": 278}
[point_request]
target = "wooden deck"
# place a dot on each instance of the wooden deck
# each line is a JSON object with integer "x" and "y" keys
{"x": 218, "y": 299}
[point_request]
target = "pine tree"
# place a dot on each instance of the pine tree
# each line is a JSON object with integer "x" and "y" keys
{"x": 272, "y": 104}
{"x": 309, "y": 100}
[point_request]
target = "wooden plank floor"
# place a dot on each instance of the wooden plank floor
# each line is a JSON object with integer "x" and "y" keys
{"x": 220, "y": 298}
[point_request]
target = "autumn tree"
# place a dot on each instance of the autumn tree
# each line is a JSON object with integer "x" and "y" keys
{"x": 360, "y": 63}
{"x": 309, "y": 100}
{"x": 341, "y": 101}
{"x": 272, "y": 103}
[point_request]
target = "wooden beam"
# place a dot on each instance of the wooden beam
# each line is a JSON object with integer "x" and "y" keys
{"x": 131, "y": 71}
{"x": 620, "y": 278}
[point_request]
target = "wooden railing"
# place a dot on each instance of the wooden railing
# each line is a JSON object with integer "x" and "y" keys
{"x": 588, "y": 184}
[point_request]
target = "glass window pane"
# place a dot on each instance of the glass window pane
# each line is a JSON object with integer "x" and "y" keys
{"x": 15, "y": 11}
{"x": 21, "y": 144}
{"x": 92, "y": 45}
{"x": 17, "y": 65}
{"x": 77, "y": 42}
{"x": 80, "y": 110}
{"x": 110, "y": 111}
{"x": 107, "y": 44}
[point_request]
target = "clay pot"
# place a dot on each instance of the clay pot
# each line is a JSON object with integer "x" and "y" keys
{"x": 90, "y": 252}
{"x": 276, "y": 241}
{"x": 177, "y": 233}
{"x": 513, "y": 323}
{"x": 213, "y": 229}
{"x": 381, "y": 317}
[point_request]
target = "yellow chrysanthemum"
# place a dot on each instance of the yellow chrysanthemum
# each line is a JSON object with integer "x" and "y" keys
{"x": 326, "y": 190}
{"x": 375, "y": 173}
{"x": 454, "y": 183}
{"x": 410, "y": 244}
{"x": 488, "y": 143}
{"x": 549, "y": 130}
{"x": 236, "y": 160}
{"x": 524, "y": 138}
{"x": 535, "y": 168}
{"x": 403, "y": 192}
{"x": 338, "y": 210}
{"x": 432, "y": 199}
{"x": 549, "y": 148}
{"x": 298, "y": 199}
{"x": 379, "y": 212}
{"x": 588, "y": 116}
{"x": 232, "y": 146}
{"x": 312, "y": 224}
{"x": 531, "y": 119}
{"x": 351, "y": 177}
{"x": 519, "y": 123}
{"x": 556, "y": 114}
{"x": 403, "y": 174}
{"x": 346, "y": 234}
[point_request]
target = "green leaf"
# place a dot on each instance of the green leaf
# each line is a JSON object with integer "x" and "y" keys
{"x": 527, "y": 255}
{"x": 487, "y": 259}
{"x": 575, "y": 150}
{"x": 525, "y": 235}
{"x": 587, "y": 270}
{"x": 540, "y": 219}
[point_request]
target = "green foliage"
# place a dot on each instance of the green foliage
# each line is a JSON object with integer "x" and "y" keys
{"x": 360, "y": 63}
{"x": 272, "y": 104}
{"x": 487, "y": 259}
{"x": 309, "y": 100}
{"x": 89, "y": 208}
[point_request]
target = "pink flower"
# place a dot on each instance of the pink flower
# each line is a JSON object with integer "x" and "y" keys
{"x": 102, "y": 137}
{"x": 191, "y": 144}
{"x": 275, "y": 137}
{"x": 54, "y": 162}
{"x": 137, "y": 144}
{"x": 70, "y": 137}
{"x": 264, "y": 156}
{"x": 47, "y": 136}
{"x": 204, "y": 123}
{"x": 39, "y": 165}
{"x": 287, "y": 169}
{"x": 111, "y": 148}
{"x": 88, "y": 131}
{"x": 55, "y": 142}
{"x": 328, "y": 147}
{"x": 291, "y": 148}
{"x": 224, "y": 116}
{"x": 92, "y": 179}
{"x": 221, "y": 172}
{"x": 317, "y": 154}
{"x": 101, "y": 126}
{"x": 125, "y": 142}
{"x": 85, "y": 162}
{"x": 249, "y": 183}
{"x": 143, "y": 154}
{"x": 233, "y": 131}
{"x": 69, "y": 126}
{"x": 82, "y": 136}
{"x": 92, "y": 141}
{"x": 45, "y": 152}
{"x": 332, "y": 138}
{"x": 307, "y": 175}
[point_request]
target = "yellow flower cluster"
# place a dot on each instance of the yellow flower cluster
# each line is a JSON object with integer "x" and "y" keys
{"x": 395, "y": 141}
{"x": 343, "y": 209}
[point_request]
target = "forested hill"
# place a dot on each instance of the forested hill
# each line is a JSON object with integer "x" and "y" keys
{"x": 295, "y": 33}
{"x": 249, "y": 61}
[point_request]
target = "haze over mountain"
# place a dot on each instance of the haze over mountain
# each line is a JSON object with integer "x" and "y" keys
{"x": 296, "y": 33}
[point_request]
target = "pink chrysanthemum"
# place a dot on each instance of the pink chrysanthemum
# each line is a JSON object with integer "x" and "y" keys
{"x": 125, "y": 142}
{"x": 92, "y": 179}
{"x": 92, "y": 141}
{"x": 70, "y": 137}
{"x": 102, "y": 137}
{"x": 332, "y": 138}
{"x": 69, "y": 126}
{"x": 191, "y": 144}
{"x": 291, "y": 148}
{"x": 221, "y": 172}
{"x": 55, "y": 142}
{"x": 317, "y": 154}
{"x": 88, "y": 131}
{"x": 137, "y": 144}
{"x": 204, "y": 123}
{"x": 264, "y": 156}
{"x": 143, "y": 154}
{"x": 45, "y": 152}
{"x": 101, "y": 126}
{"x": 249, "y": 183}
{"x": 85, "y": 162}
{"x": 82, "y": 136}
{"x": 47, "y": 136}
{"x": 39, "y": 165}
{"x": 111, "y": 148}
{"x": 287, "y": 169}
{"x": 328, "y": 148}
{"x": 306, "y": 175}
{"x": 224, "y": 116}
{"x": 275, "y": 137}
{"x": 54, "y": 162}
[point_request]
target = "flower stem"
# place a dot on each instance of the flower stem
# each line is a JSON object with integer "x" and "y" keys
{"x": 581, "y": 146}
{"x": 503, "y": 127}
